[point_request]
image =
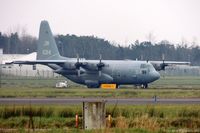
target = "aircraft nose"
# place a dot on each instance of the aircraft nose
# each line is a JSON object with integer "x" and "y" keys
{"x": 156, "y": 75}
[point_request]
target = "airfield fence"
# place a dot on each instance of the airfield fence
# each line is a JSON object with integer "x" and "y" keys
{"x": 181, "y": 71}
{"x": 27, "y": 78}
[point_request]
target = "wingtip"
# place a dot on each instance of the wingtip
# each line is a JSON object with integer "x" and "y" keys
{"x": 8, "y": 63}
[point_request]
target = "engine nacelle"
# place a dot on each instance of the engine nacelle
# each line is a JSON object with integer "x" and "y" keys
{"x": 67, "y": 72}
{"x": 69, "y": 66}
{"x": 91, "y": 67}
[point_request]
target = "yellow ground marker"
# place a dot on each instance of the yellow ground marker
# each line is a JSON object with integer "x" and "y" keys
{"x": 108, "y": 86}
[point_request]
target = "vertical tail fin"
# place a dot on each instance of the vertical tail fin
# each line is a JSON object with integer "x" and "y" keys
{"x": 47, "y": 49}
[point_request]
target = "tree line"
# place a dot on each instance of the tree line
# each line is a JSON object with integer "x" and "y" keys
{"x": 90, "y": 47}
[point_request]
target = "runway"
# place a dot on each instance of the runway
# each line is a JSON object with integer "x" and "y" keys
{"x": 129, "y": 101}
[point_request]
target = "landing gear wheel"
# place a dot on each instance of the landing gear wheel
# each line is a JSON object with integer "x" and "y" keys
{"x": 93, "y": 86}
{"x": 144, "y": 86}
{"x": 117, "y": 86}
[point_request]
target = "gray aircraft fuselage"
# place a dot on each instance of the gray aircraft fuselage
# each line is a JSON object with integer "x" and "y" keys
{"x": 120, "y": 72}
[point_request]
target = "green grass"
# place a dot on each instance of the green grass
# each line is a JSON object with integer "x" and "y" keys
{"x": 125, "y": 118}
{"x": 177, "y": 82}
{"x": 65, "y": 130}
{"x": 164, "y": 81}
{"x": 85, "y": 92}
{"x": 166, "y": 87}
{"x": 34, "y": 82}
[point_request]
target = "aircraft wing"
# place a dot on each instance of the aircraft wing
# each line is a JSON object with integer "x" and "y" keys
{"x": 66, "y": 64}
{"x": 43, "y": 62}
{"x": 170, "y": 62}
{"x": 160, "y": 65}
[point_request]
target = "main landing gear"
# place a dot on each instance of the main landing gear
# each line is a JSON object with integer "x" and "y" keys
{"x": 144, "y": 86}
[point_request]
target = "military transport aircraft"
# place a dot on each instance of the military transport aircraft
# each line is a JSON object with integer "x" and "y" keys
{"x": 94, "y": 73}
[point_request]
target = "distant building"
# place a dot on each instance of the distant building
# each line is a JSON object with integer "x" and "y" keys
{"x": 24, "y": 70}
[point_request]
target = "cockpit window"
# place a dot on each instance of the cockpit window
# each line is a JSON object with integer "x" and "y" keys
{"x": 150, "y": 66}
{"x": 144, "y": 72}
{"x": 143, "y": 66}
{"x": 146, "y": 66}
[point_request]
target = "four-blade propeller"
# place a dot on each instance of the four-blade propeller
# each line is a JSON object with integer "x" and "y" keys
{"x": 100, "y": 65}
{"x": 78, "y": 65}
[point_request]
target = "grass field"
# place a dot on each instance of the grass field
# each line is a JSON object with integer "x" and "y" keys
{"x": 182, "y": 82}
{"x": 137, "y": 118}
{"x": 125, "y": 118}
{"x": 163, "y": 82}
{"x": 84, "y": 92}
{"x": 166, "y": 87}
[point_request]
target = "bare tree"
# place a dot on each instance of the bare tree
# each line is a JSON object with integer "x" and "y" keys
{"x": 151, "y": 37}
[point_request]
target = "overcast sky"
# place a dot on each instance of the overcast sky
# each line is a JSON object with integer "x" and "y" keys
{"x": 121, "y": 21}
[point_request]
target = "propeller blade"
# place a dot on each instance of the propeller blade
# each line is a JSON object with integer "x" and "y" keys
{"x": 79, "y": 72}
{"x": 100, "y": 65}
{"x": 163, "y": 57}
{"x": 78, "y": 64}
{"x": 100, "y": 73}
{"x": 77, "y": 55}
{"x": 100, "y": 57}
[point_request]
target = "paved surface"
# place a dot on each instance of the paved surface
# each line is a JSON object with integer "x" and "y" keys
{"x": 107, "y": 100}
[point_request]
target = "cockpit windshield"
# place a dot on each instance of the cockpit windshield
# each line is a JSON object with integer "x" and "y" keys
{"x": 143, "y": 66}
{"x": 146, "y": 66}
